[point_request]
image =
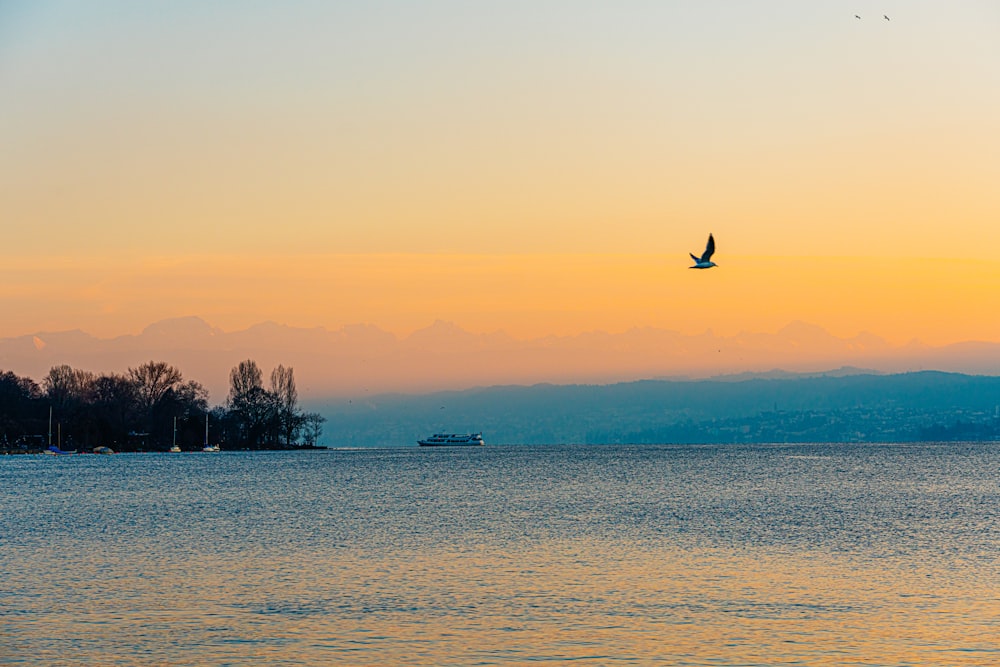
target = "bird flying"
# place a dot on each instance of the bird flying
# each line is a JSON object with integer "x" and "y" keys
{"x": 885, "y": 17}
{"x": 705, "y": 261}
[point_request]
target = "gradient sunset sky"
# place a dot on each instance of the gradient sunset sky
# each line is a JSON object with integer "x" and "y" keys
{"x": 537, "y": 167}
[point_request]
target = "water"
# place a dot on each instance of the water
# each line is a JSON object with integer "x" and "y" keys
{"x": 673, "y": 555}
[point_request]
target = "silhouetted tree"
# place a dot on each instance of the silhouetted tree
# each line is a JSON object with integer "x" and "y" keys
{"x": 137, "y": 409}
{"x": 162, "y": 395}
{"x": 67, "y": 387}
{"x": 115, "y": 407}
{"x": 286, "y": 396}
{"x": 254, "y": 408}
{"x": 21, "y": 410}
{"x": 70, "y": 393}
{"x": 312, "y": 427}
{"x": 188, "y": 403}
{"x": 152, "y": 381}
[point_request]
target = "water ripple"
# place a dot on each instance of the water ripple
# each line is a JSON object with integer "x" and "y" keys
{"x": 703, "y": 555}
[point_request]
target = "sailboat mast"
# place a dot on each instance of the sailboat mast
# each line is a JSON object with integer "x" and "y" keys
{"x": 206, "y": 429}
{"x": 50, "y": 426}
{"x": 175, "y": 431}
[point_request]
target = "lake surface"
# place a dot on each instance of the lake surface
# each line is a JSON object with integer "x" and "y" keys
{"x": 505, "y": 555}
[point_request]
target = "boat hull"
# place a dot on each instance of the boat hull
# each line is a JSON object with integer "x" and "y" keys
{"x": 453, "y": 440}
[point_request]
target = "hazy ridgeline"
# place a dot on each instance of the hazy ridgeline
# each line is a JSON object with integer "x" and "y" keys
{"x": 363, "y": 360}
{"x": 136, "y": 411}
{"x": 856, "y": 408}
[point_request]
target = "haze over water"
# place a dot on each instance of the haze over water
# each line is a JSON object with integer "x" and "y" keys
{"x": 678, "y": 555}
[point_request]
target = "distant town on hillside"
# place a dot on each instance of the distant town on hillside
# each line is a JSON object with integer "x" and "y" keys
{"x": 839, "y": 407}
{"x": 365, "y": 387}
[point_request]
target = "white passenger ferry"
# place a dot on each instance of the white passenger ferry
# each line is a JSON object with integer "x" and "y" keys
{"x": 453, "y": 440}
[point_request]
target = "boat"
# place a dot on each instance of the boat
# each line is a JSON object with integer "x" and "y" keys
{"x": 453, "y": 440}
{"x": 175, "y": 448}
{"x": 103, "y": 450}
{"x": 207, "y": 447}
{"x": 56, "y": 450}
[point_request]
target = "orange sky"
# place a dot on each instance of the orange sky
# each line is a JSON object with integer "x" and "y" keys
{"x": 532, "y": 167}
{"x": 936, "y": 301}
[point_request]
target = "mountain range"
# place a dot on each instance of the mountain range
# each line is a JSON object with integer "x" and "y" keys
{"x": 363, "y": 360}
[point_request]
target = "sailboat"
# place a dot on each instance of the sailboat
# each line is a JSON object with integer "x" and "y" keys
{"x": 174, "y": 448}
{"x": 56, "y": 450}
{"x": 208, "y": 447}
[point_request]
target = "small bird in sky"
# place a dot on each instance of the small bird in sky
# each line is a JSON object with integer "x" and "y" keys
{"x": 856, "y": 16}
{"x": 705, "y": 261}
{"x": 885, "y": 17}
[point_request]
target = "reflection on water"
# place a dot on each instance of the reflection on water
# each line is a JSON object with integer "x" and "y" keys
{"x": 812, "y": 554}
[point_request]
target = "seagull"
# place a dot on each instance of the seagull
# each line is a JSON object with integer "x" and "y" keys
{"x": 885, "y": 17}
{"x": 705, "y": 261}
{"x": 856, "y": 16}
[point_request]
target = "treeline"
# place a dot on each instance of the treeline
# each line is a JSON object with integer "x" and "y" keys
{"x": 151, "y": 407}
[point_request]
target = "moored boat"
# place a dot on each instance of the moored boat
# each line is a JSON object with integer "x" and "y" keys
{"x": 453, "y": 440}
{"x": 207, "y": 447}
{"x": 175, "y": 448}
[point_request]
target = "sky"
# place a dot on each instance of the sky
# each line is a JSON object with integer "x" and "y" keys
{"x": 538, "y": 167}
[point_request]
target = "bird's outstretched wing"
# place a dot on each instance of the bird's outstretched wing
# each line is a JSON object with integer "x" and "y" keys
{"x": 709, "y": 249}
{"x": 693, "y": 257}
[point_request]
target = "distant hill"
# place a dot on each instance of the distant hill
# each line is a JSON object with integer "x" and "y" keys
{"x": 834, "y": 407}
{"x": 376, "y": 388}
{"x": 362, "y": 360}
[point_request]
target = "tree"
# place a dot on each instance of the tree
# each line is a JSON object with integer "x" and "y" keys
{"x": 70, "y": 392}
{"x": 115, "y": 407}
{"x": 20, "y": 409}
{"x": 192, "y": 397}
{"x": 254, "y": 408}
{"x": 312, "y": 427}
{"x": 138, "y": 409}
{"x": 186, "y": 402}
{"x": 244, "y": 379}
{"x": 22, "y": 387}
{"x": 289, "y": 420}
{"x": 67, "y": 387}
{"x": 152, "y": 381}
{"x": 162, "y": 396}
